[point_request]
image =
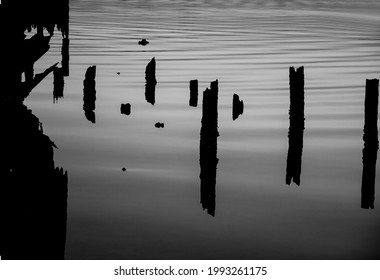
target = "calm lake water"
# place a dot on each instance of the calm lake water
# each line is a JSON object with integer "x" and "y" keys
{"x": 153, "y": 210}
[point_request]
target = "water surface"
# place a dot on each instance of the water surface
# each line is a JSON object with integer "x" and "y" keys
{"x": 153, "y": 210}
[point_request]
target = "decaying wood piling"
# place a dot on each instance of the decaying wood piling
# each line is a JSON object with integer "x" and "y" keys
{"x": 208, "y": 147}
{"x": 89, "y": 94}
{"x": 371, "y": 143}
{"x": 150, "y": 78}
{"x": 58, "y": 84}
{"x": 297, "y": 125}
{"x": 193, "y": 101}
{"x": 237, "y": 107}
{"x": 65, "y": 56}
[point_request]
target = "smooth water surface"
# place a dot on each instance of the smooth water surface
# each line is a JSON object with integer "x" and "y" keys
{"x": 153, "y": 210}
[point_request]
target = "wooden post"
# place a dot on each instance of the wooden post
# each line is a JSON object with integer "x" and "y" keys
{"x": 150, "y": 78}
{"x": 237, "y": 107}
{"x": 65, "y": 56}
{"x": 371, "y": 143}
{"x": 89, "y": 94}
{"x": 58, "y": 84}
{"x": 208, "y": 147}
{"x": 193, "y": 93}
{"x": 297, "y": 125}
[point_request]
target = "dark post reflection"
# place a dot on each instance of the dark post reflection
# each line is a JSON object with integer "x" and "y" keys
{"x": 297, "y": 125}
{"x": 208, "y": 147}
{"x": 150, "y": 78}
{"x": 89, "y": 94}
{"x": 371, "y": 143}
{"x": 58, "y": 84}
{"x": 65, "y": 52}
{"x": 237, "y": 107}
{"x": 33, "y": 191}
{"x": 193, "y": 102}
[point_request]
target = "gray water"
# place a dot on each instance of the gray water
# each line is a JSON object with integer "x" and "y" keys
{"x": 153, "y": 210}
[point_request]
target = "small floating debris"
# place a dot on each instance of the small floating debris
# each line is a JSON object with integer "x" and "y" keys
{"x": 118, "y": 73}
{"x": 125, "y": 109}
{"x": 143, "y": 42}
{"x": 159, "y": 125}
{"x": 124, "y": 169}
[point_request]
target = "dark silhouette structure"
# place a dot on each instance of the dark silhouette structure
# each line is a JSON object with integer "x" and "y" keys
{"x": 89, "y": 93}
{"x": 65, "y": 52}
{"x": 237, "y": 107}
{"x": 33, "y": 80}
{"x": 297, "y": 125}
{"x": 33, "y": 191}
{"x": 58, "y": 84}
{"x": 150, "y": 78}
{"x": 20, "y": 54}
{"x": 125, "y": 109}
{"x": 371, "y": 143}
{"x": 33, "y": 200}
{"x": 193, "y": 93}
{"x": 208, "y": 147}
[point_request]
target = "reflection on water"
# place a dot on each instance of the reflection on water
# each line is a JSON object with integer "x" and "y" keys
{"x": 65, "y": 52}
{"x": 58, "y": 84}
{"x": 151, "y": 211}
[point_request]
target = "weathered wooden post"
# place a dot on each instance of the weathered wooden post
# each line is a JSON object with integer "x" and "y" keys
{"x": 371, "y": 143}
{"x": 58, "y": 84}
{"x": 65, "y": 53}
{"x": 237, "y": 107}
{"x": 89, "y": 94}
{"x": 297, "y": 125}
{"x": 208, "y": 147}
{"x": 193, "y": 93}
{"x": 150, "y": 78}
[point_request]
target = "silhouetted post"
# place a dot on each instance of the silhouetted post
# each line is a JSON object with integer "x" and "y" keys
{"x": 237, "y": 107}
{"x": 208, "y": 147}
{"x": 58, "y": 84}
{"x": 65, "y": 56}
{"x": 297, "y": 125}
{"x": 89, "y": 94}
{"x": 125, "y": 109}
{"x": 150, "y": 72}
{"x": 193, "y": 93}
{"x": 150, "y": 78}
{"x": 371, "y": 143}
